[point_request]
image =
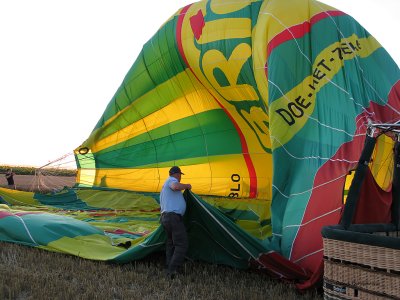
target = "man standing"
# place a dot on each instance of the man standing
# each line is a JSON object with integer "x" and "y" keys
{"x": 10, "y": 179}
{"x": 173, "y": 207}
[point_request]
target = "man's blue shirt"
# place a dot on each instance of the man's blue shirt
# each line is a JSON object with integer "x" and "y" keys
{"x": 171, "y": 200}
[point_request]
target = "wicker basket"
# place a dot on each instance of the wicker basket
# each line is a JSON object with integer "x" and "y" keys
{"x": 362, "y": 262}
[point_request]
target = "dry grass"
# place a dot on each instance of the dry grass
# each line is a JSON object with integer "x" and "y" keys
{"x": 29, "y": 273}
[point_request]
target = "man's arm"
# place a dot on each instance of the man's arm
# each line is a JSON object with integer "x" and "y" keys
{"x": 177, "y": 186}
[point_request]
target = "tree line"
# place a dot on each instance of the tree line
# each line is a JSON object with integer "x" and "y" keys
{"x": 21, "y": 170}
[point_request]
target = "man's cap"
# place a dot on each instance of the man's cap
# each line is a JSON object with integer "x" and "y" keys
{"x": 174, "y": 170}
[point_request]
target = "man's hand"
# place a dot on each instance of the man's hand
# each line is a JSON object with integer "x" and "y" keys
{"x": 177, "y": 186}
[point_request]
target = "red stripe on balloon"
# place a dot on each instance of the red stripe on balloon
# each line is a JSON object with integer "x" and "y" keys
{"x": 299, "y": 30}
{"x": 245, "y": 150}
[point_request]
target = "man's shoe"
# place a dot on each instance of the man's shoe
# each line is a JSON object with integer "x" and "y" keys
{"x": 171, "y": 275}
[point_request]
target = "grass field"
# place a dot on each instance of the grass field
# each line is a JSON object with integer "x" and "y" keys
{"x": 46, "y": 183}
{"x": 31, "y": 273}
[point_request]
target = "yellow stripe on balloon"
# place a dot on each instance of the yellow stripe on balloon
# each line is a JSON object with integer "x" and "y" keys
{"x": 216, "y": 30}
{"x": 95, "y": 246}
{"x": 290, "y": 113}
{"x": 196, "y": 100}
{"x": 286, "y": 16}
{"x": 16, "y": 197}
{"x": 225, "y": 7}
{"x": 224, "y": 181}
{"x": 382, "y": 162}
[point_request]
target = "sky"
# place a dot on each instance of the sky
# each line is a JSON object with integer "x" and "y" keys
{"x": 62, "y": 61}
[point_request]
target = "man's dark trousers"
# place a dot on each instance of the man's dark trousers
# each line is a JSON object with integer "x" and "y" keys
{"x": 177, "y": 240}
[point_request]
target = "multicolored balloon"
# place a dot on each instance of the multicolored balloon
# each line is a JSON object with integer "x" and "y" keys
{"x": 257, "y": 100}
